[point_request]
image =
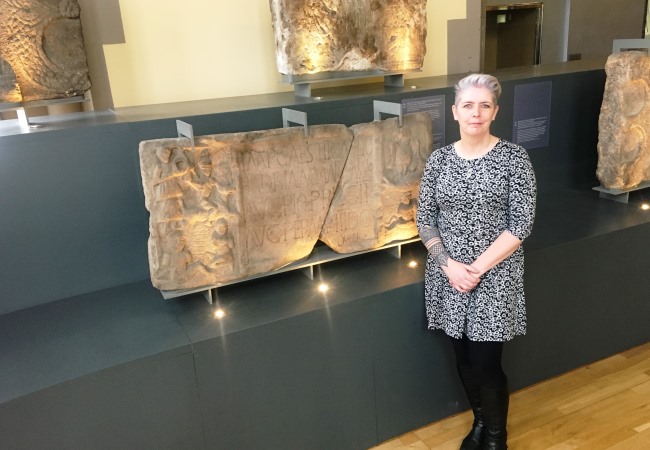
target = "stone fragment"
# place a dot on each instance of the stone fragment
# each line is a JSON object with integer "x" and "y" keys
{"x": 239, "y": 204}
{"x": 376, "y": 199}
{"x": 9, "y": 89}
{"x": 624, "y": 122}
{"x": 341, "y": 35}
{"x": 41, "y": 41}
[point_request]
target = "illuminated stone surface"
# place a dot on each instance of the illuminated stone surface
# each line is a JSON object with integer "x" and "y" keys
{"x": 340, "y": 35}
{"x": 624, "y": 123}
{"x": 244, "y": 204}
{"x": 376, "y": 199}
{"x": 42, "y": 45}
{"x": 9, "y": 90}
{"x": 241, "y": 204}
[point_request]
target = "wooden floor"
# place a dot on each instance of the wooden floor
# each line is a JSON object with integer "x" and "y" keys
{"x": 605, "y": 405}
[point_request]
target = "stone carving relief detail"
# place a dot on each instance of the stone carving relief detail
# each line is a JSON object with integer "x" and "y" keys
{"x": 42, "y": 55}
{"x": 624, "y": 122}
{"x": 341, "y": 35}
{"x": 239, "y": 204}
{"x": 377, "y": 197}
{"x": 244, "y": 204}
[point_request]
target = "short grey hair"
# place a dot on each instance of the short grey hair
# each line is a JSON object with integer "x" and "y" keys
{"x": 480, "y": 80}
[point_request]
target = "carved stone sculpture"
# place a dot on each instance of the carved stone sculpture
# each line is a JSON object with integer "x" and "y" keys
{"x": 42, "y": 55}
{"x": 624, "y": 122}
{"x": 239, "y": 204}
{"x": 340, "y": 35}
{"x": 243, "y": 204}
{"x": 376, "y": 199}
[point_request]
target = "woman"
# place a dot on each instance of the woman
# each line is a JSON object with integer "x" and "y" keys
{"x": 476, "y": 206}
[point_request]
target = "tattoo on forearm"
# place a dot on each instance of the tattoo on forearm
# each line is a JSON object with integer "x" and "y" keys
{"x": 442, "y": 258}
{"x": 431, "y": 238}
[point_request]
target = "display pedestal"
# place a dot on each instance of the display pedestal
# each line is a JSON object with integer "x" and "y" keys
{"x": 21, "y": 108}
{"x": 302, "y": 83}
{"x": 619, "y": 195}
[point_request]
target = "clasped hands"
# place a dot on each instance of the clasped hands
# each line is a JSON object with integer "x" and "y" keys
{"x": 462, "y": 277}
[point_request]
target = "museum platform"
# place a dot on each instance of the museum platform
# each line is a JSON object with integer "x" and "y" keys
{"x": 91, "y": 356}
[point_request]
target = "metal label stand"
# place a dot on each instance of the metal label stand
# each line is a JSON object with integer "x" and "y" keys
{"x": 186, "y": 130}
{"x": 299, "y": 117}
{"x": 395, "y": 109}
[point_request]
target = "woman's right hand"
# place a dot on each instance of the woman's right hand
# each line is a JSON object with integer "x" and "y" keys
{"x": 462, "y": 277}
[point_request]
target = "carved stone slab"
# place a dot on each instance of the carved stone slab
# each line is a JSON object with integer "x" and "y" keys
{"x": 42, "y": 44}
{"x": 239, "y": 204}
{"x": 342, "y": 35}
{"x": 376, "y": 199}
{"x": 624, "y": 122}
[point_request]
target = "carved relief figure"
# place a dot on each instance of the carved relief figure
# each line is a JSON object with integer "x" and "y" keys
{"x": 239, "y": 204}
{"x": 337, "y": 35}
{"x": 243, "y": 204}
{"x": 42, "y": 54}
{"x": 624, "y": 122}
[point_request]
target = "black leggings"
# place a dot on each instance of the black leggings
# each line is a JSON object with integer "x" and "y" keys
{"x": 484, "y": 358}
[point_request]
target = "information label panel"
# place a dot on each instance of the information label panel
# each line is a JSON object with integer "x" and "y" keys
{"x": 532, "y": 114}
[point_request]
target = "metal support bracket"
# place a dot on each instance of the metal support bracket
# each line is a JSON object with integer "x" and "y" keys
{"x": 299, "y": 117}
{"x": 621, "y": 45}
{"x": 308, "y": 272}
{"x": 395, "y": 109}
{"x": 395, "y": 251}
{"x": 184, "y": 129}
{"x": 302, "y": 89}
{"x": 208, "y": 296}
{"x": 396, "y": 80}
{"x": 23, "y": 119}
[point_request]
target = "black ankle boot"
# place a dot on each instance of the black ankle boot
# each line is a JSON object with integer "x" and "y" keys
{"x": 474, "y": 438}
{"x": 494, "y": 403}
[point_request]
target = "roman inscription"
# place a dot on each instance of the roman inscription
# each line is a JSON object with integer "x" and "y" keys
{"x": 243, "y": 204}
{"x": 376, "y": 199}
{"x": 239, "y": 204}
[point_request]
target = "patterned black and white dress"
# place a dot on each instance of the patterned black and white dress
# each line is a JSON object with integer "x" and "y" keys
{"x": 472, "y": 202}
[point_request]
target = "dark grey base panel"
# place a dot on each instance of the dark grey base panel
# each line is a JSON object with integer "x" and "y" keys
{"x": 346, "y": 373}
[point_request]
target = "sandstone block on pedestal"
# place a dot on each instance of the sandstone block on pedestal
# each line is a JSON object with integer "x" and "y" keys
{"x": 376, "y": 200}
{"x": 339, "y": 35}
{"x": 624, "y": 122}
{"x": 42, "y": 43}
{"x": 240, "y": 204}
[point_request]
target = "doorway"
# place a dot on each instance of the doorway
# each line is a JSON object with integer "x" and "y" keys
{"x": 513, "y": 36}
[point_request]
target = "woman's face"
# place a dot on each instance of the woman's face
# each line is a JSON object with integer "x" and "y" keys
{"x": 475, "y": 111}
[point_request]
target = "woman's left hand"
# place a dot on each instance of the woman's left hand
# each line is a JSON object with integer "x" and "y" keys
{"x": 462, "y": 277}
